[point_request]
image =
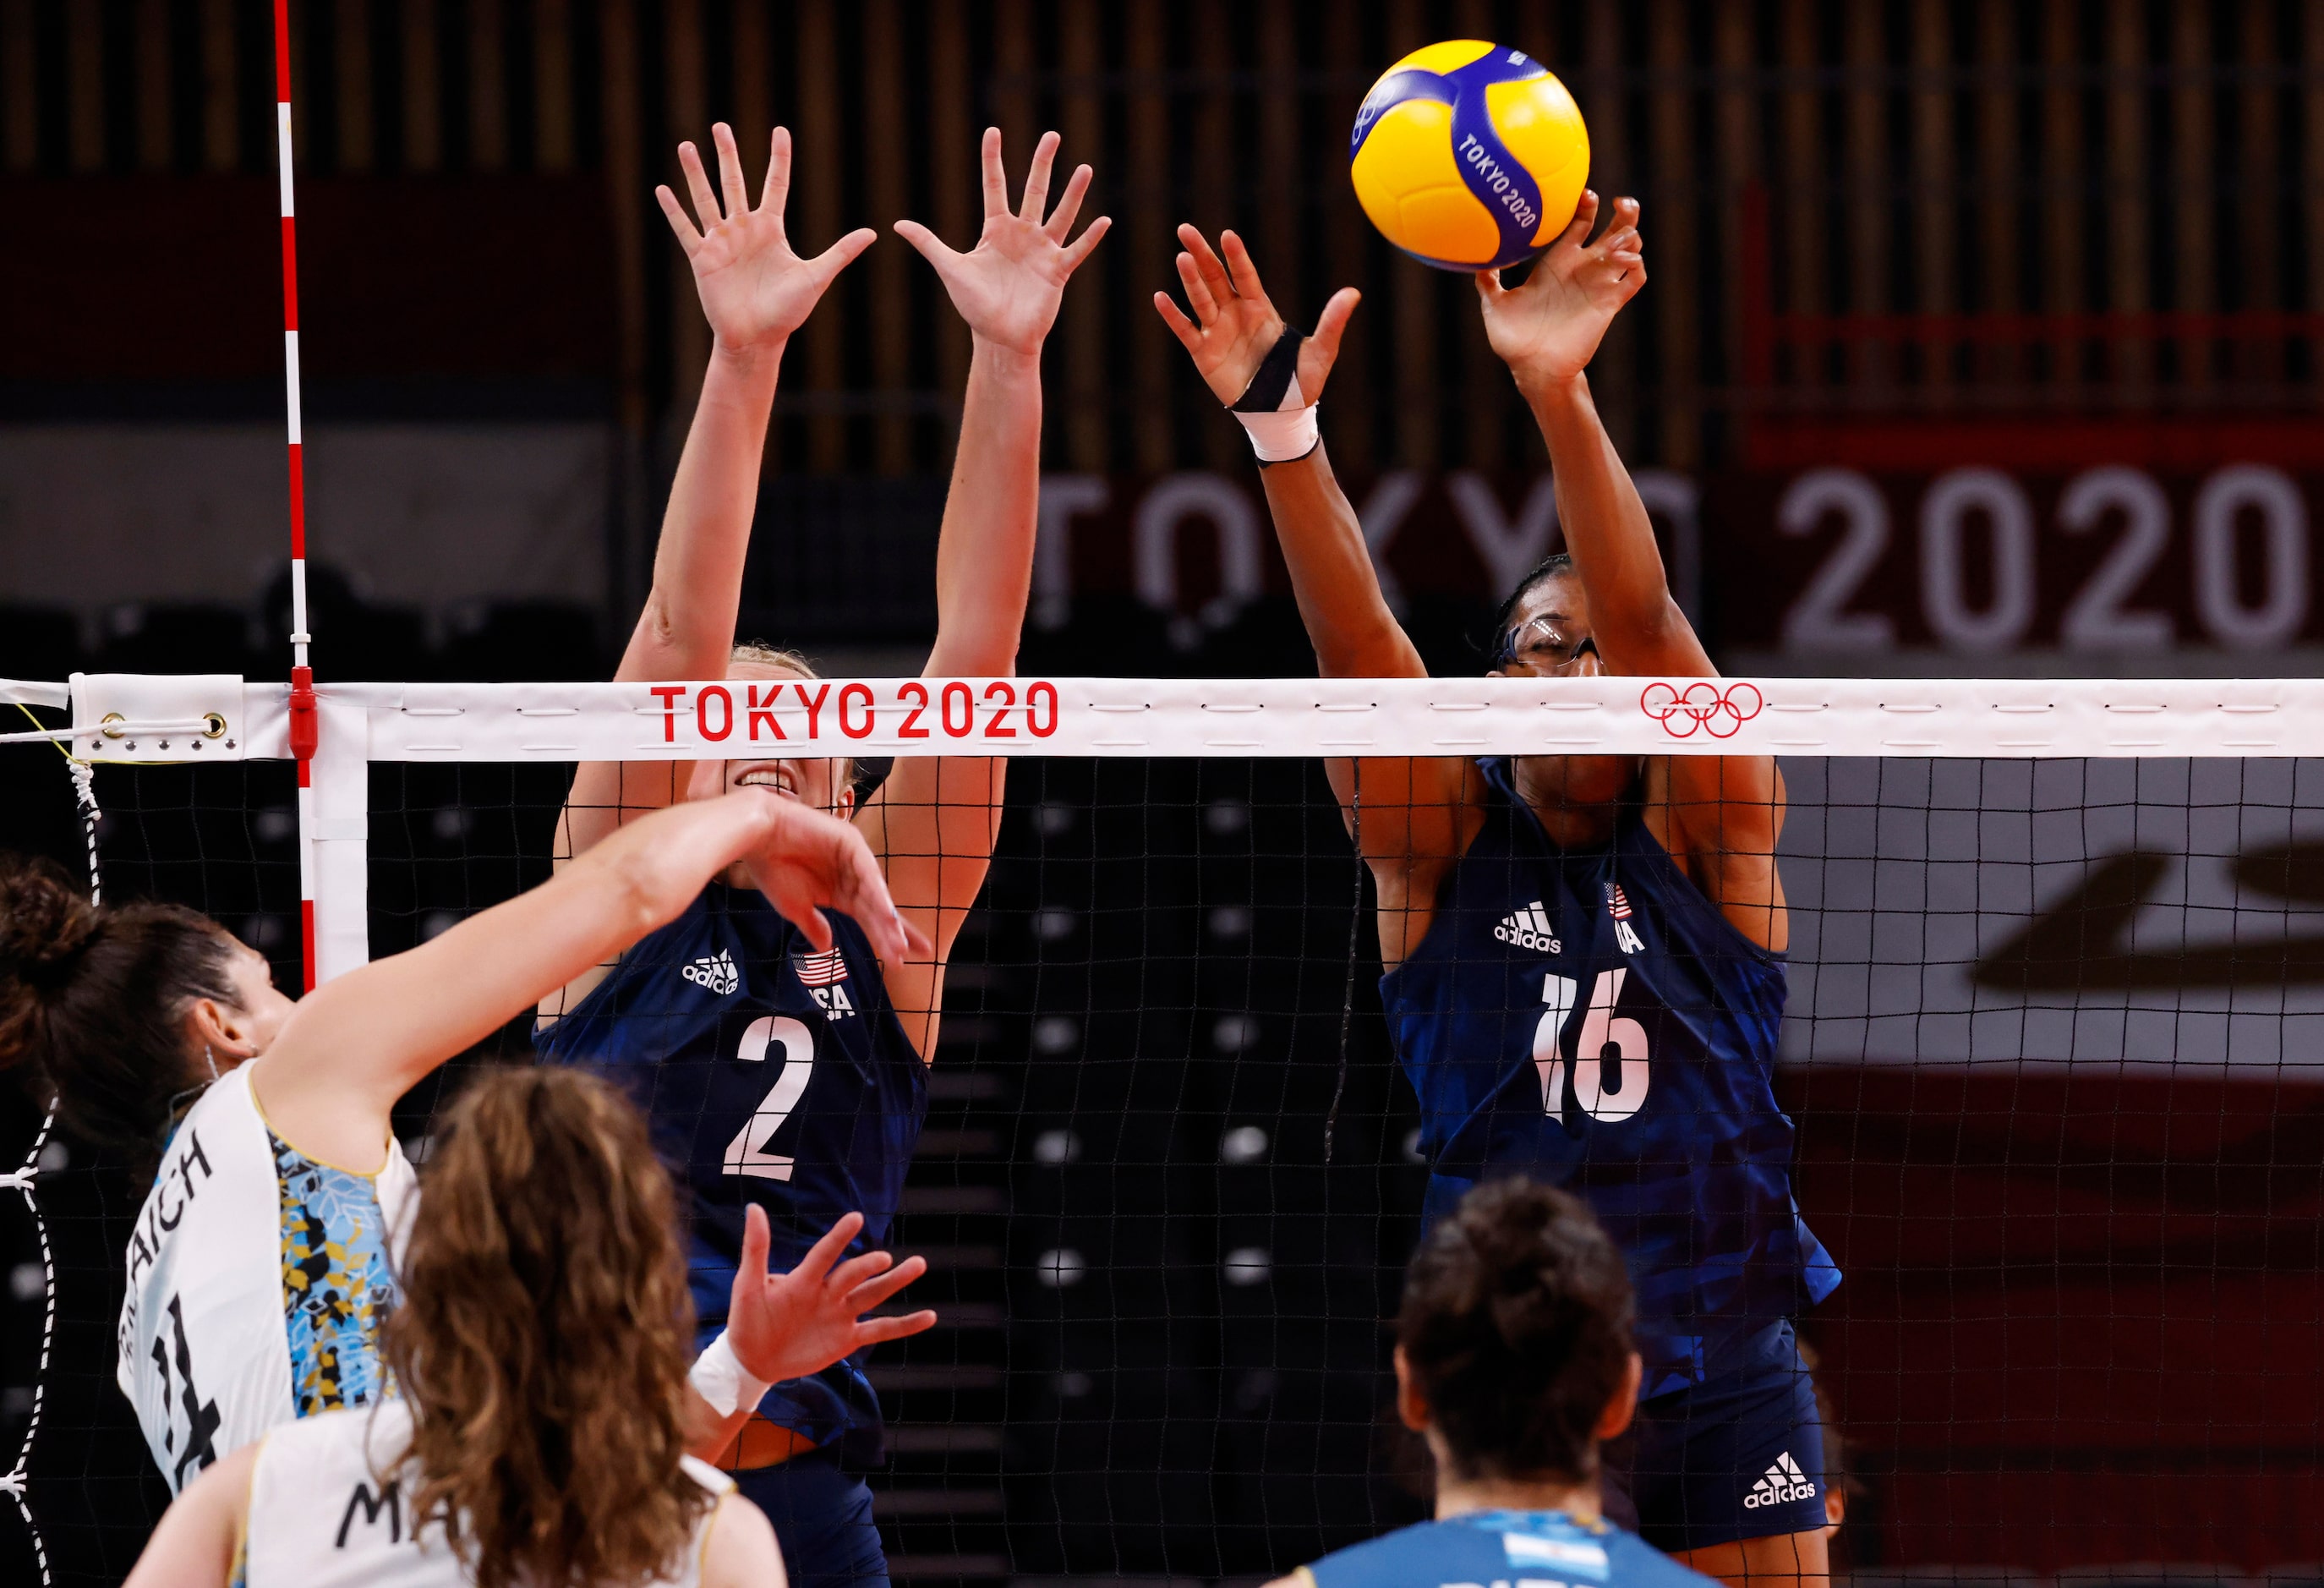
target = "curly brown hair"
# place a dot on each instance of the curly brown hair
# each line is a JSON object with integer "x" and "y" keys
{"x": 543, "y": 1338}
{"x": 1516, "y": 1328}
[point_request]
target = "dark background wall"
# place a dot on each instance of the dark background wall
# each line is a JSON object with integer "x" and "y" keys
{"x": 2076, "y": 244}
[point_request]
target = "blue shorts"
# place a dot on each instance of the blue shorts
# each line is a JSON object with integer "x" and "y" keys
{"x": 822, "y": 1515}
{"x": 1740, "y": 1456}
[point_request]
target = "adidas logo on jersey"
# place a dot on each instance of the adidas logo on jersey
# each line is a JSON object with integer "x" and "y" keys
{"x": 717, "y": 972}
{"x": 1784, "y": 1482}
{"x": 1529, "y": 928}
{"x": 824, "y": 977}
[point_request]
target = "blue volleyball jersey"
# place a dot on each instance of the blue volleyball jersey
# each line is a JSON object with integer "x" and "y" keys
{"x": 770, "y": 1073}
{"x": 1504, "y": 1550}
{"x": 1667, "y": 1126}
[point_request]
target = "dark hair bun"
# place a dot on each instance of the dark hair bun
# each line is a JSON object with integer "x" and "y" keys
{"x": 45, "y": 922}
{"x": 46, "y": 926}
{"x": 1516, "y": 1326}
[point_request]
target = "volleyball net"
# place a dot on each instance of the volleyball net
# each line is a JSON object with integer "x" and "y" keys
{"x": 2054, "y": 1049}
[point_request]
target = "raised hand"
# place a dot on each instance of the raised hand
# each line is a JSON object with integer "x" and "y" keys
{"x": 811, "y": 862}
{"x": 1235, "y": 324}
{"x": 1548, "y": 329}
{"x": 1008, "y": 286}
{"x": 787, "y": 1326}
{"x": 754, "y": 290}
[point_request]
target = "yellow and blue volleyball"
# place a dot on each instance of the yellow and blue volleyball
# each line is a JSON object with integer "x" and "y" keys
{"x": 1469, "y": 155}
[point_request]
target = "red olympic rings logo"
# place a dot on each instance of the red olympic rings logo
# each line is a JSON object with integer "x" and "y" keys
{"x": 1702, "y": 705}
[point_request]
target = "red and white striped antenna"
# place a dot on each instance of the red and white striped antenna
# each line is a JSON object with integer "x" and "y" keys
{"x": 304, "y": 727}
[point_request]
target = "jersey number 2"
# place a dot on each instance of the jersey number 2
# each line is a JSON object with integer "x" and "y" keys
{"x": 747, "y": 1154}
{"x": 1609, "y": 1070}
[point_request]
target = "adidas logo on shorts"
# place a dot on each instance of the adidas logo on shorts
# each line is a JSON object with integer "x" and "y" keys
{"x": 1528, "y": 929}
{"x": 1784, "y": 1482}
{"x": 717, "y": 972}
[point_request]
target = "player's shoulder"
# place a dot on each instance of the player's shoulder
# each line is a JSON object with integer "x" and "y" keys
{"x": 738, "y": 1547}
{"x": 377, "y": 1434}
{"x": 1499, "y": 1545}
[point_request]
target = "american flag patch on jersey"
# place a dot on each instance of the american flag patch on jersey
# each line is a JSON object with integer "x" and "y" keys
{"x": 1618, "y": 901}
{"x": 820, "y": 970}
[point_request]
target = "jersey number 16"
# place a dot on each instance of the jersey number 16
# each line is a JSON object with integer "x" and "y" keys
{"x": 1608, "y": 1069}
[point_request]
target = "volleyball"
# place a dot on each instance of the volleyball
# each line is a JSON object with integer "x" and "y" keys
{"x": 1469, "y": 155}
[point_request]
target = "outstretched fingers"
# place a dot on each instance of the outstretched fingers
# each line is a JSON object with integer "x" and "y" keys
{"x": 1215, "y": 280}
{"x": 816, "y": 1263}
{"x": 1242, "y": 276}
{"x": 756, "y": 1239}
{"x": 1060, "y": 223}
{"x": 1198, "y": 291}
{"x": 1189, "y": 334}
{"x": 1333, "y": 323}
{"x": 931, "y": 247}
{"x": 1036, "y": 179}
{"x": 996, "y": 179}
{"x": 777, "y": 193}
{"x": 861, "y": 891}
{"x": 1585, "y": 215}
{"x": 828, "y": 263}
{"x": 863, "y": 1296}
{"x": 731, "y": 189}
{"x": 1086, "y": 244}
{"x": 680, "y": 222}
{"x": 697, "y": 184}
{"x": 879, "y": 1331}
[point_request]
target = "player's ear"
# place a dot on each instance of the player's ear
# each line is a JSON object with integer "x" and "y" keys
{"x": 1411, "y": 1405}
{"x": 1623, "y": 1404}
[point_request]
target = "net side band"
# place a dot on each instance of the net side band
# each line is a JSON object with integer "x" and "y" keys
{"x": 753, "y": 719}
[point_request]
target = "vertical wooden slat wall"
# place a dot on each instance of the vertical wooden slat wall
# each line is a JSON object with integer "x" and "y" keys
{"x": 1932, "y": 158}
{"x": 1082, "y": 322}
{"x": 2000, "y": 227}
{"x": 955, "y": 201}
{"x": 886, "y": 269}
{"x": 423, "y": 84}
{"x": 2258, "y": 360}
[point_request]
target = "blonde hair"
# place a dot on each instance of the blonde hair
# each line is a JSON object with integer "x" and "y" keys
{"x": 543, "y": 1337}
{"x": 765, "y": 655}
{"x": 759, "y": 653}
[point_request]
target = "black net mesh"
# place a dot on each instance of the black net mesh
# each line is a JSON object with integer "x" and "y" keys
{"x": 2051, "y": 1047}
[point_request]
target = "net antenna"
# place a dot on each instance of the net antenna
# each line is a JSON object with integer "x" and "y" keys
{"x": 303, "y": 717}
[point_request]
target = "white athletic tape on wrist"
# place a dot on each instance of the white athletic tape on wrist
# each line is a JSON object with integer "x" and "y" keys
{"x": 1277, "y": 416}
{"x": 1281, "y": 437}
{"x": 719, "y": 1377}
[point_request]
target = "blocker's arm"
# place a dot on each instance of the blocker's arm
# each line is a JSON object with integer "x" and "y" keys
{"x": 935, "y": 820}
{"x": 1409, "y": 813}
{"x": 755, "y": 292}
{"x": 1721, "y": 815}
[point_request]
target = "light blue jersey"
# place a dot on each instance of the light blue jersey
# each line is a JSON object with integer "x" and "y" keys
{"x": 1504, "y": 1550}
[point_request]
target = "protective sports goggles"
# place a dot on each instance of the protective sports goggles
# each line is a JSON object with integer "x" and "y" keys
{"x": 1542, "y": 644}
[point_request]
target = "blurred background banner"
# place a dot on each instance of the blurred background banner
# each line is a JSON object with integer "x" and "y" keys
{"x": 1982, "y": 334}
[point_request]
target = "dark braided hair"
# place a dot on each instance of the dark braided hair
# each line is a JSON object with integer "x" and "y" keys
{"x": 1516, "y": 1330}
